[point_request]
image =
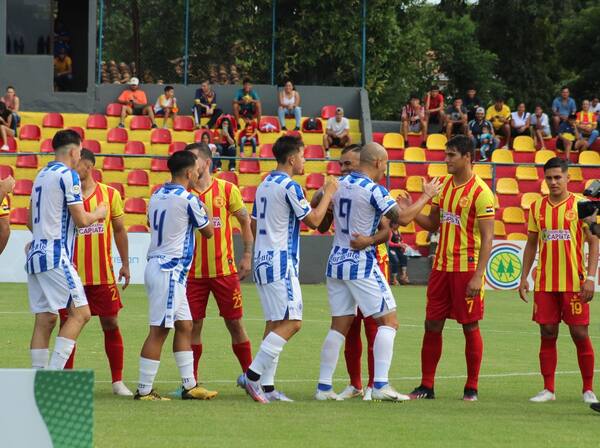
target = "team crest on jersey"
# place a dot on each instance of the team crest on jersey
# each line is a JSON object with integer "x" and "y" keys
{"x": 352, "y": 257}
{"x": 218, "y": 201}
{"x": 464, "y": 202}
{"x": 556, "y": 235}
{"x": 265, "y": 260}
{"x": 570, "y": 215}
{"x": 304, "y": 203}
{"x": 76, "y": 189}
{"x": 217, "y": 222}
{"x": 450, "y": 218}
{"x": 97, "y": 227}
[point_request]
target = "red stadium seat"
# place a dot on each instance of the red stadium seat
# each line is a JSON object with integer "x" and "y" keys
{"x": 19, "y": 216}
{"x": 5, "y": 171}
{"x": 46, "y": 146}
{"x": 138, "y": 228}
{"x": 140, "y": 123}
{"x": 135, "y": 147}
{"x": 53, "y": 120}
{"x": 333, "y": 169}
{"x": 159, "y": 165}
{"x": 318, "y": 130}
{"x": 314, "y": 152}
{"x": 160, "y": 136}
{"x": 249, "y": 167}
{"x": 266, "y": 151}
{"x": 113, "y": 164}
{"x": 183, "y": 123}
{"x": 176, "y": 146}
{"x": 296, "y": 134}
{"x": 378, "y": 137}
{"x": 12, "y": 144}
{"x": 23, "y": 187}
{"x": 138, "y": 178}
{"x": 79, "y": 130}
{"x": 96, "y": 121}
{"x": 119, "y": 187}
{"x": 414, "y": 140}
{"x": 30, "y": 161}
{"x": 113, "y": 109}
{"x": 30, "y": 132}
{"x": 92, "y": 145}
{"x": 97, "y": 175}
{"x": 248, "y": 194}
{"x": 328, "y": 111}
{"x": 314, "y": 181}
{"x": 117, "y": 135}
{"x": 229, "y": 176}
{"x": 199, "y": 132}
{"x": 268, "y": 122}
{"x": 135, "y": 205}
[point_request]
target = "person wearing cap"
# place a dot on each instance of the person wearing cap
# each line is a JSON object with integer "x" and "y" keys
{"x": 413, "y": 118}
{"x": 476, "y": 127}
{"x": 337, "y": 132}
{"x": 134, "y": 102}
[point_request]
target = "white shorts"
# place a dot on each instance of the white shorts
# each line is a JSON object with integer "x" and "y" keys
{"x": 55, "y": 289}
{"x": 281, "y": 300}
{"x": 167, "y": 300}
{"x": 372, "y": 295}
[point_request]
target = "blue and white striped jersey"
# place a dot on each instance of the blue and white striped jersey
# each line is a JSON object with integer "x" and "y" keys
{"x": 279, "y": 206}
{"x": 174, "y": 215}
{"x": 55, "y": 188}
{"x": 358, "y": 204}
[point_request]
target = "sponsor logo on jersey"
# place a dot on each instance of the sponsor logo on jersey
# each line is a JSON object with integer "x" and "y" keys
{"x": 76, "y": 189}
{"x": 261, "y": 260}
{"x": 347, "y": 257}
{"x": 304, "y": 203}
{"x": 450, "y": 218}
{"x": 217, "y": 222}
{"x": 97, "y": 227}
{"x": 556, "y": 235}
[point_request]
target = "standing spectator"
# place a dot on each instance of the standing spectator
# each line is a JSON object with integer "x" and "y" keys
{"x": 476, "y": 128}
{"x": 472, "y": 102}
{"x": 249, "y": 134}
{"x": 205, "y": 104}
{"x": 499, "y": 115}
{"x": 337, "y": 132}
{"x": 226, "y": 142}
{"x": 540, "y": 126}
{"x": 586, "y": 125}
{"x": 63, "y": 70}
{"x": 456, "y": 119}
{"x": 413, "y": 119}
{"x": 289, "y": 105}
{"x": 434, "y": 106}
{"x": 247, "y": 103}
{"x": 398, "y": 259}
{"x": 134, "y": 102}
{"x": 562, "y": 107}
{"x": 166, "y": 105}
{"x": 567, "y": 134}
{"x": 595, "y": 107}
{"x": 13, "y": 103}
{"x": 216, "y": 159}
{"x": 5, "y": 126}
{"x": 520, "y": 122}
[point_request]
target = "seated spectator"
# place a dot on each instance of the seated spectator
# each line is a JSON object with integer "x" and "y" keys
{"x": 434, "y": 106}
{"x": 587, "y": 126}
{"x": 205, "y": 105}
{"x": 520, "y": 122}
{"x": 485, "y": 142}
{"x": 398, "y": 259}
{"x": 456, "y": 118}
{"x": 249, "y": 134}
{"x": 540, "y": 126}
{"x": 562, "y": 107}
{"x": 471, "y": 103}
{"x": 247, "y": 103}
{"x": 134, "y": 102}
{"x": 225, "y": 139}
{"x": 337, "y": 132}
{"x": 476, "y": 128}
{"x": 595, "y": 107}
{"x": 13, "y": 103}
{"x": 166, "y": 105}
{"x": 567, "y": 134}
{"x": 5, "y": 126}
{"x": 63, "y": 71}
{"x": 216, "y": 159}
{"x": 413, "y": 119}
{"x": 289, "y": 105}
{"x": 499, "y": 115}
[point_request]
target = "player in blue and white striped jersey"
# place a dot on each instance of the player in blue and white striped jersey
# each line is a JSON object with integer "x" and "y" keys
{"x": 56, "y": 209}
{"x": 353, "y": 276}
{"x": 279, "y": 207}
{"x": 174, "y": 216}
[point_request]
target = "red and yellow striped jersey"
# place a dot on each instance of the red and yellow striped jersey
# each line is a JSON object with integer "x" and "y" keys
{"x": 4, "y": 207}
{"x": 214, "y": 257}
{"x": 461, "y": 208}
{"x": 93, "y": 247}
{"x": 585, "y": 117}
{"x": 383, "y": 258}
{"x": 561, "y": 237}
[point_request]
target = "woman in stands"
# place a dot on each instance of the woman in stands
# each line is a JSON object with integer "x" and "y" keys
{"x": 225, "y": 140}
{"x": 6, "y": 118}
{"x": 289, "y": 105}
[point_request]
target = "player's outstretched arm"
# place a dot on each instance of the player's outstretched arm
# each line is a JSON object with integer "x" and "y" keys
{"x": 315, "y": 217}
{"x": 328, "y": 219}
{"x": 528, "y": 258}
{"x": 360, "y": 242}
{"x": 245, "y": 264}
{"x": 4, "y": 232}
{"x": 81, "y": 218}
{"x": 587, "y": 288}
{"x": 122, "y": 243}
{"x": 486, "y": 230}
{"x": 403, "y": 216}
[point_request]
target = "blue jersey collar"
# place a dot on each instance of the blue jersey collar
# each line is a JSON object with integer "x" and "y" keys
{"x": 275, "y": 173}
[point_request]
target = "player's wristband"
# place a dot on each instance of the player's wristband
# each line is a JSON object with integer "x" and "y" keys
{"x": 591, "y": 277}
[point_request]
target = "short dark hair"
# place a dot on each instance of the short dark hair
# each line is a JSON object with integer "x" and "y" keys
{"x": 246, "y": 81}
{"x": 435, "y": 87}
{"x": 556, "y": 162}
{"x": 539, "y": 105}
{"x": 202, "y": 148}
{"x": 564, "y": 87}
{"x": 463, "y": 145}
{"x": 499, "y": 99}
{"x": 181, "y": 161}
{"x": 286, "y": 146}
{"x": 414, "y": 96}
{"x": 572, "y": 117}
{"x": 88, "y": 155}
{"x": 351, "y": 148}
{"x": 167, "y": 88}
{"x": 64, "y": 138}
{"x": 10, "y": 87}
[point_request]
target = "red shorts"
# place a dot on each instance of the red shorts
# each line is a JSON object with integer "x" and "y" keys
{"x": 103, "y": 300}
{"x": 550, "y": 307}
{"x": 446, "y": 298}
{"x": 226, "y": 291}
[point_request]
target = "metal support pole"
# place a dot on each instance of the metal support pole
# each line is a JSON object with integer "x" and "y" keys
{"x": 274, "y": 9}
{"x": 100, "y": 41}
{"x": 364, "y": 44}
{"x": 186, "y": 42}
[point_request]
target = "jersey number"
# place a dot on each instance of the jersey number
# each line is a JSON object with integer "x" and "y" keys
{"x": 263, "y": 201}
{"x": 38, "y": 201}
{"x": 344, "y": 214}
{"x": 158, "y": 224}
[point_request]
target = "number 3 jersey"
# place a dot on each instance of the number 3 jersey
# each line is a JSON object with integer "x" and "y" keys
{"x": 358, "y": 205}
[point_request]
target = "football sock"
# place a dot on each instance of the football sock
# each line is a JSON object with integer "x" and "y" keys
{"x": 39, "y": 358}
{"x": 113, "y": 346}
{"x": 267, "y": 379}
{"x": 270, "y": 348}
{"x": 71, "y": 361}
{"x": 585, "y": 358}
{"x": 197, "y": 349}
{"x": 473, "y": 354}
{"x": 548, "y": 360}
{"x": 430, "y": 356}
{"x": 353, "y": 352}
{"x": 330, "y": 353}
{"x": 383, "y": 350}
{"x": 243, "y": 352}
{"x": 148, "y": 371}
{"x": 62, "y": 350}
{"x": 371, "y": 332}
{"x": 185, "y": 364}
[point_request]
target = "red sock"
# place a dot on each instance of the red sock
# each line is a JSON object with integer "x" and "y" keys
{"x": 548, "y": 360}
{"x": 473, "y": 354}
{"x": 430, "y": 356}
{"x": 71, "y": 360}
{"x": 113, "y": 346}
{"x": 243, "y": 352}
{"x": 353, "y": 353}
{"x": 585, "y": 357}
{"x": 197, "y": 349}
{"x": 371, "y": 332}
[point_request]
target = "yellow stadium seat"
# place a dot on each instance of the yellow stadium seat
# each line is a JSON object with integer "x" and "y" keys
{"x": 496, "y": 202}
{"x": 589, "y": 158}
{"x": 96, "y": 134}
{"x": 118, "y": 176}
{"x": 527, "y": 173}
{"x": 516, "y": 236}
{"x": 79, "y": 120}
{"x": 157, "y": 149}
{"x": 158, "y": 178}
{"x": 414, "y": 184}
{"x": 426, "y": 210}
{"x": 499, "y": 229}
{"x": 397, "y": 169}
{"x": 134, "y": 191}
{"x": 393, "y": 140}
{"x": 397, "y": 192}
{"x": 507, "y": 186}
{"x": 250, "y": 179}
{"x": 436, "y": 142}
{"x": 543, "y": 156}
{"x": 137, "y": 163}
{"x": 437, "y": 170}
{"x": 513, "y": 215}
{"x": 141, "y": 135}
{"x": 523, "y": 143}
{"x": 414, "y": 154}
{"x": 529, "y": 198}
{"x": 502, "y": 156}
{"x": 410, "y": 228}
{"x": 575, "y": 174}
{"x": 483, "y": 171}
{"x": 421, "y": 238}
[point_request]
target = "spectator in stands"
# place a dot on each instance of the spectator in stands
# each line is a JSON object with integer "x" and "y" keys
{"x": 13, "y": 103}
{"x": 134, "y": 102}
{"x": 499, "y": 115}
{"x": 337, "y": 132}
{"x": 485, "y": 142}
{"x": 205, "y": 105}
{"x": 567, "y": 134}
{"x": 595, "y": 107}
{"x": 413, "y": 119}
{"x": 587, "y": 125}
{"x": 398, "y": 259}
{"x": 456, "y": 118}
{"x": 562, "y": 107}
{"x": 249, "y": 134}
{"x": 434, "y": 106}
{"x": 520, "y": 122}
{"x": 5, "y": 126}
{"x": 166, "y": 105}
{"x": 289, "y": 105}
{"x": 63, "y": 70}
{"x": 226, "y": 142}
{"x": 540, "y": 126}
{"x": 247, "y": 103}
{"x": 476, "y": 128}
{"x": 471, "y": 102}
{"x": 216, "y": 160}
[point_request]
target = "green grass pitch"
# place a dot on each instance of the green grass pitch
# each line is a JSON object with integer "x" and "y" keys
{"x": 502, "y": 417}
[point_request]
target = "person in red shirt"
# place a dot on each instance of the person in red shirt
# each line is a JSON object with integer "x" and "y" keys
{"x": 224, "y": 139}
{"x": 434, "y": 106}
{"x": 249, "y": 135}
{"x": 134, "y": 102}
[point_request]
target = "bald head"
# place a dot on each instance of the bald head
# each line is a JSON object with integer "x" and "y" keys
{"x": 371, "y": 152}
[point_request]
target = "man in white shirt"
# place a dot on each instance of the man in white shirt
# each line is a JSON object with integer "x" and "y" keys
{"x": 337, "y": 132}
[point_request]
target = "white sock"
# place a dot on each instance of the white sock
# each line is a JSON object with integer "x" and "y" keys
{"x": 268, "y": 376}
{"x": 185, "y": 364}
{"x": 383, "y": 350}
{"x": 63, "y": 348}
{"x": 148, "y": 371}
{"x": 329, "y": 356}
{"x": 270, "y": 348}
{"x": 39, "y": 358}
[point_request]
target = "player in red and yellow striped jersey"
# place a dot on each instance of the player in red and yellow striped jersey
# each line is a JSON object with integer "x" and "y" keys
{"x": 6, "y": 187}
{"x": 93, "y": 258}
{"x": 464, "y": 214}
{"x": 563, "y": 284}
{"x": 213, "y": 268}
